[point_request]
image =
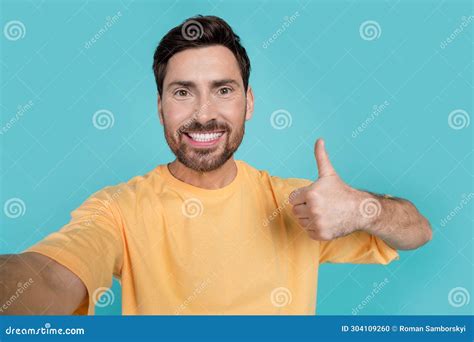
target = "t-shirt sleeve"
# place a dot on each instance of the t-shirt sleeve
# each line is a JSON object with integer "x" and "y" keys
{"x": 90, "y": 245}
{"x": 358, "y": 247}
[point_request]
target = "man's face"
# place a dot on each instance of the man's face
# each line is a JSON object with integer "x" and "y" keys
{"x": 204, "y": 106}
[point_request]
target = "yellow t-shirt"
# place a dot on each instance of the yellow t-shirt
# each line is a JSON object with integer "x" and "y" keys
{"x": 179, "y": 249}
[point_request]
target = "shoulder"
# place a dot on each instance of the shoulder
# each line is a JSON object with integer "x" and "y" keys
{"x": 276, "y": 183}
{"x": 139, "y": 185}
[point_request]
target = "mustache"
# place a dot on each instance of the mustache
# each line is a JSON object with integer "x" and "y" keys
{"x": 196, "y": 127}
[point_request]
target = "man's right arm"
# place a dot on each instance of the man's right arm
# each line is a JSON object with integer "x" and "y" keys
{"x": 52, "y": 288}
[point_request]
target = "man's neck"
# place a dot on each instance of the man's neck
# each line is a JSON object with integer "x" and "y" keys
{"x": 211, "y": 180}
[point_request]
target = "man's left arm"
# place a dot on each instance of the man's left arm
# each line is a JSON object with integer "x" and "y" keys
{"x": 329, "y": 208}
{"x": 398, "y": 223}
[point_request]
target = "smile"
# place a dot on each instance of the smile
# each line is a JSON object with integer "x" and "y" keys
{"x": 203, "y": 138}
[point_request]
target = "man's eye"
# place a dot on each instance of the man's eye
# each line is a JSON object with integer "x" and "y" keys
{"x": 225, "y": 91}
{"x": 181, "y": 92}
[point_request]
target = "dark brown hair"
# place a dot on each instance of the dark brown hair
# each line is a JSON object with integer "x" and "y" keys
{"x": 195, "y": 32}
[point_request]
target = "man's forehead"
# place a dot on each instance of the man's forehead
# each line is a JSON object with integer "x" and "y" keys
{"x": 206, "y": 64}
{"x": 211, "y": 52}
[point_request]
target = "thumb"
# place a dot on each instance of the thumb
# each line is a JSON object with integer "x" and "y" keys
{"x": 325, "y": 167}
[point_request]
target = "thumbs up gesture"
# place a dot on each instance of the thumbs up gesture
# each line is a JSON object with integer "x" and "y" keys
{"x": 328, "y": 208}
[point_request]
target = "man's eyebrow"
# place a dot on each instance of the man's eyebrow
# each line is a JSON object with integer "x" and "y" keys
{"x": 219, "y": 83}
{"x": 187, "y": 84}
{"x": 214, "y": 84}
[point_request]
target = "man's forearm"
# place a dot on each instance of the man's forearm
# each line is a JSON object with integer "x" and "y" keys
{"x": 397, "y": 222}
{"x": 23, "y": 291}
{"x": 29, "y": 286}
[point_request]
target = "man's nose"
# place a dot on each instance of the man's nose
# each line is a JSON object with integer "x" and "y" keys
{"x": 205, "y": 110}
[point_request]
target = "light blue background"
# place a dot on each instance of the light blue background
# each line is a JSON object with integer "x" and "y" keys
{"x": 319, "y": 69}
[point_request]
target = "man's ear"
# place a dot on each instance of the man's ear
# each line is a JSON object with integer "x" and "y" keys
{"x": 160, "y": 111}
{"x": 250, "y": 101}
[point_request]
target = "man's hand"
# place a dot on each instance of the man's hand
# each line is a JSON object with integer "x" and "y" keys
{"x": 328, "y": 208}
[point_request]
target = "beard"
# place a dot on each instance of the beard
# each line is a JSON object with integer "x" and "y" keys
{"x": 204, "y": 159}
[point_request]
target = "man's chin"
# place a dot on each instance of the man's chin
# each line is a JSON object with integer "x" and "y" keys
{"x": 205, "y": 158}
{"x": 202, "y": 160}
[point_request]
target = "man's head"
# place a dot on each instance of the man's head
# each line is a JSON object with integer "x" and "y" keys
{"x": 202, "y": 74}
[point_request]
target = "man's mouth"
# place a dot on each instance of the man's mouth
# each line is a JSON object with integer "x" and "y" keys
{"x": 204, "y": 138}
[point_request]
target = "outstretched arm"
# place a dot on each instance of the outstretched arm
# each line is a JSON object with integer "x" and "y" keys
{"x": 34, "y": 284}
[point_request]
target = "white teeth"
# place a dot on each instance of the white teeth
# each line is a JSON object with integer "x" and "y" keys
{"x": 205, "y": 136}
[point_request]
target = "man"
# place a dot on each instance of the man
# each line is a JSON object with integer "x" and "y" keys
{"x": 207, "y": 234}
